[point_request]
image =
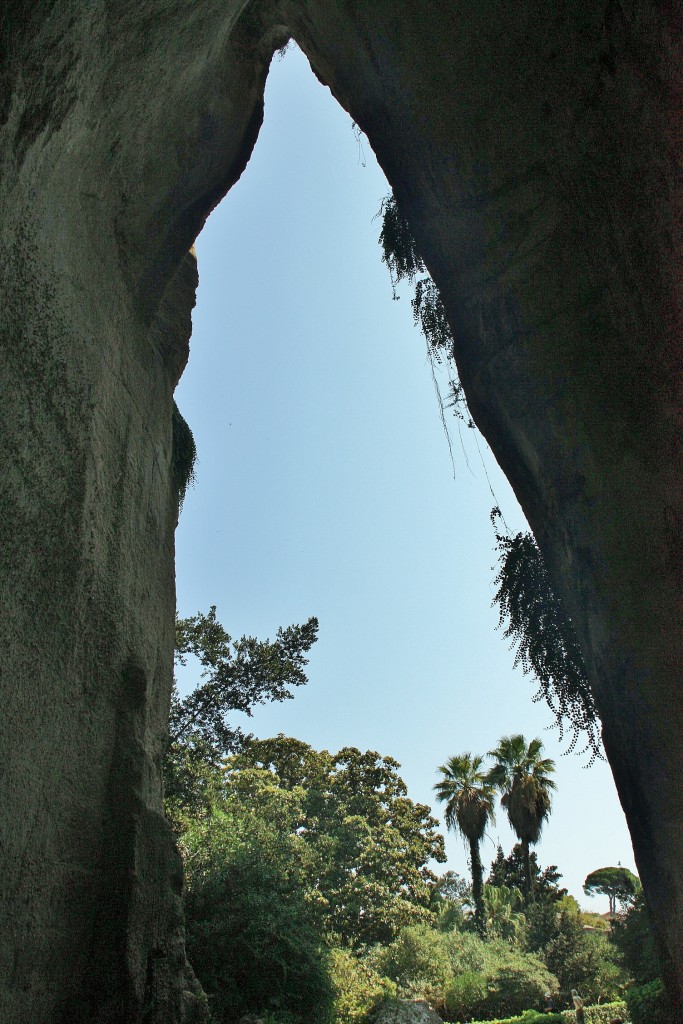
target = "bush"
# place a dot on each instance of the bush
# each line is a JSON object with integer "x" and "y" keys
{"x": 358, "y": 989}
{"x": 465, "y": 995}
{"x": 529, "y": 1017}
{"x": 602, "y": 1014}
{"x": 519, "y": 983}
{"x": 418, "y": 960}
{"x": 249, "y": 934}
{"x": 649, "y": 1003}
{"x": 584, "y": 960}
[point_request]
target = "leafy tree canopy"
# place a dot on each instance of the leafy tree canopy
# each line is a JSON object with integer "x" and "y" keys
{"x": 236, "y": 674}
{"x": 619, "y": 884}
{"x": 510, "y": 872}
{"x": 583, "y": 960}
{"x": 251, "y": 935}
{"x": 634, "y": 937}
{"x": 370, "y": 845}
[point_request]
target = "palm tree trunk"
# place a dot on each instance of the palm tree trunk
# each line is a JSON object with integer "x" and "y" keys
{"x": 477, "y": 888}
{"x": 527, "y": 869}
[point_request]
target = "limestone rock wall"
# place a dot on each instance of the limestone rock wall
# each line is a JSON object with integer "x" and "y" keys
{"x": 115, "y": 118}
{"x": 533, "y": 149}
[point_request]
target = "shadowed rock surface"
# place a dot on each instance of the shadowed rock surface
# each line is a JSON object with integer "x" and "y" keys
{"x": 407, "y": 1011}
{"x": 533, "y": 150}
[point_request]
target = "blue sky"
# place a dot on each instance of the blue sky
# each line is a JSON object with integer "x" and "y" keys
{"x": 325, "y": 485}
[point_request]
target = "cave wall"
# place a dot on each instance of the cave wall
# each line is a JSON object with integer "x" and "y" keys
{"x": 533, "y": 150}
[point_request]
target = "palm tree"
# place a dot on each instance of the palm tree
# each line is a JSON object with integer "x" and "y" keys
{"x": 504, "y": 917}
{"x": 522, "y": 777}
{"x": 469, "y": 797}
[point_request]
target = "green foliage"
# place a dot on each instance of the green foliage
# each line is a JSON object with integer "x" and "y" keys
{"x": 465, "y": 995}
{"x": 530, "y": 1017}
{"x": 399, "y": 249}
{"x": 183, "y": 454}
{"x": 419, "y": 961}
{"x": 650, "y": 1004}
{"x": 469, "y": 797}
{"x": 619, "y": 884}
{"x": 633, "y": 936}
{"x": 587, "y": 961}
{"x": 237, "y": 675}
{"x": 523, "y": 778}
{"x": 450, "y": 896}
{"x": 425, "y": 964}
{"x": 510, "y": 871}
{"x": 544, "y": 634}
{"x": 519, "y": 982}
{"x": 401, "y": 256}
{"x": 358, "y": 989}
{"x": 542, "y": 924}
{"x": 504, "y": 916}
{"x": 430, "y": 315}
{"x": 250, "y": 936}
{"x": 370, "y": 845}
{"x": 604, "y": 1013}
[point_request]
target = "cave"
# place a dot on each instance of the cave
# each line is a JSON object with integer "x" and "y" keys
{"x": 534, "y": 154}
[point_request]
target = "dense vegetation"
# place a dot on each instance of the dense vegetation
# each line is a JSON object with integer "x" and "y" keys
{"x": 310, "y": 886}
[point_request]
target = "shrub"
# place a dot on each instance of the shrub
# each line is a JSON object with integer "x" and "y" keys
{"x": 649, "y": 1003}
{"x": 529, "y": 1017}
{"x": 250, "y": 936}
{"x": 465, "y": 995}
{"x": 358, "y": 989}
{"x": 600, "y": 1014}
{"x": 518, "y": 984}
{"x": 418, "y": 961}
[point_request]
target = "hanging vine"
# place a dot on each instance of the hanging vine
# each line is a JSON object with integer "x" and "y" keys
{"x": 544, "y": 635}
{"x": 183, "y": 455}
{"x": 534, "y": 618}
{"x": 402, "y": 258}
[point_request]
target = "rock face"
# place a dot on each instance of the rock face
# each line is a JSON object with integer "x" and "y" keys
{"x": 406, "y": 1011}
{"x": 533, "y": 150}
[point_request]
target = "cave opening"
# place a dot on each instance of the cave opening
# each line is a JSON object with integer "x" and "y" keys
{"x": 325, "y": 485}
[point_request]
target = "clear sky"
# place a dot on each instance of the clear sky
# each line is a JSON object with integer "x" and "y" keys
{"x": 325, "y": 485}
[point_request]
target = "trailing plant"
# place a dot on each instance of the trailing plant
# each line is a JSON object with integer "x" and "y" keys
{"x": 399, "y": 248}
{"x": 183, "y": 455}
{"x": 536, "y": 622}
{"x": 404, "y": 263}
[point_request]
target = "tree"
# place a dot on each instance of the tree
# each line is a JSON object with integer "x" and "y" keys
{"x": 522, "y": 777}
{"x": 369, "y": 844}
{"x": 251, "y": 935}
{"x": 237, "y": 675}
{"x": 633, "y": 936}
{"x": 469, "y": 797}
{"x": 510, "y": 871}
{"x": 583, "y": 960}
{"x": 504, "y": 915}
{"x": 451, "y": 895}
{"x": 619, "y": 885}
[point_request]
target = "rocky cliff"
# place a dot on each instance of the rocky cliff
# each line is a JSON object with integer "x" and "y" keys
{"x": 533, "y": 149}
